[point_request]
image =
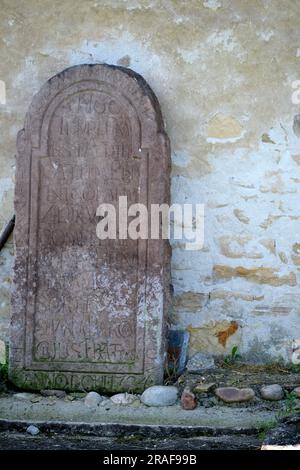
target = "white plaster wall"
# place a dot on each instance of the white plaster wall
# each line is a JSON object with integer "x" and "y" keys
{"x": 223, "y": 72}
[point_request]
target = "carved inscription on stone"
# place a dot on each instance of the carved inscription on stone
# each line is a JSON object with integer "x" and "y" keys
{"x": 83, "y": 305}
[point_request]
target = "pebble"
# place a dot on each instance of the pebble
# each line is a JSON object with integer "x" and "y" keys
{"x": 204, "y": 388}
{"x": 296, "y": 391}
{"x": 272, "y": 392}
{"x": 36, "y": 399}
{"x": 123, "y": 398}
{"x": 233, "y": 394}
{"x": 188, "y": 400}
{"x": 33, "y": 430}
{"x": 53, "y": 393}
{"x": 92, "y": 399}
{"x": 160, "y": 395}
{"x": 199, "y": 362}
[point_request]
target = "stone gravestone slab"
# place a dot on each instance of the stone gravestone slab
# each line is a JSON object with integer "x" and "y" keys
{"x": 88, "y": 314}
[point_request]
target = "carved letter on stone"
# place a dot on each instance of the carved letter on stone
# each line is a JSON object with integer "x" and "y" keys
{"x": 89, "y": 313}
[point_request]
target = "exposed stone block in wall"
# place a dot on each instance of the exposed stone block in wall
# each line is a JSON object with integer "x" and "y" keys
{"x": 259, "y": 275}
{"x": 216, "y": 337}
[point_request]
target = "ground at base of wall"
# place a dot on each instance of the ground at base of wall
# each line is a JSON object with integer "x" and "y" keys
{"x": 68, "y": 423}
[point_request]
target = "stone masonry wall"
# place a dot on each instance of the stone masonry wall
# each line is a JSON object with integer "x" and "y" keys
{"x": 223, "y": 72}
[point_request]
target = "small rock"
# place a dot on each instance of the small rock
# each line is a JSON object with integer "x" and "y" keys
{"x": 33, "y": 430}
{"x": 296, "y": 392}
{"x": 123, "y": 399}
{"x": 233, "y": 394}
{"x": 70, "y": 397}
{"x": 92, "y": 399}
{"x": 188, "y": 400}
{"x": 199, "y": 362}
{"x": 36, "y": 399}
{"x": 272, "y": 392}
{"x": 203, "y": 387}
{"x": 159, "y": 395}
{"x": 53, "y": 393}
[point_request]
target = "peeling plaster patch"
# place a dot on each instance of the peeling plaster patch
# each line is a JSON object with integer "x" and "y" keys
{"x": 283, "y": 257}
{"x": 298, "y": 52}
{"x": 269, "y": 244}
{"x": 181, "y": 159}
{"x": 6, "y": 184}
{"x": 296, "y": 159}
{"x": 222, "y": 128}
{"x": 122, "y": 47}
{"x": 276, "y": 185}
{"x": 226, "y": 41}
{"x": 230, "y": 246}
{"x": 241, "y": 216}
{"x": 212, "y": 4}
{"x": 190, "y": 56}
{"x": 124, "y": 61}
{"x": 265, "y": 35}
{"x": 266, "y": 139}
{"x": 190, "y": 301}
{"x": 223, "y": 294}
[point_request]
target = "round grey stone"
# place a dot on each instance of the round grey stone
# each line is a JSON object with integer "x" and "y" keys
{"x": 199, "y": 362}
{"x": 93, "y": 399}
{"x": 159, "y": 395}
{"x": 33, "y": 430}
{"x": 272, "y": 392}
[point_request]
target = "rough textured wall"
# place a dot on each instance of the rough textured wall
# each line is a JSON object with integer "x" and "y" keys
{"x": 223, "y": 73}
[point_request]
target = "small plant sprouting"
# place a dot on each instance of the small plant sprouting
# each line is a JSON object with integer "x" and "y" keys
{"x": 233, "y": 357}
{"x": 171, "y": 369}
{"x": 290, "y": 405}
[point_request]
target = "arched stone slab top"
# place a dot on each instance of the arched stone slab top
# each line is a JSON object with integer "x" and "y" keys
{"x": 89, "y": 314}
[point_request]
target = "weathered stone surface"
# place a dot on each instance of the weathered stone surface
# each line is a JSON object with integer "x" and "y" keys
{"x": 159, "y": 395}
{"x": 199, "y": 362}
{"x": 272, "y": 392}
{"x": 53, "y": 393}
{"x": 221, "y": 336}
{"x": 92, "y": 134}
{"x": 233, "y": 394}
{"x": 93, "y": 399}
{"x": 204, "y": 387}
{"x": 188, "y": 400}
{"x": 124, "y": 398}
{"x": 260, "y": 275}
